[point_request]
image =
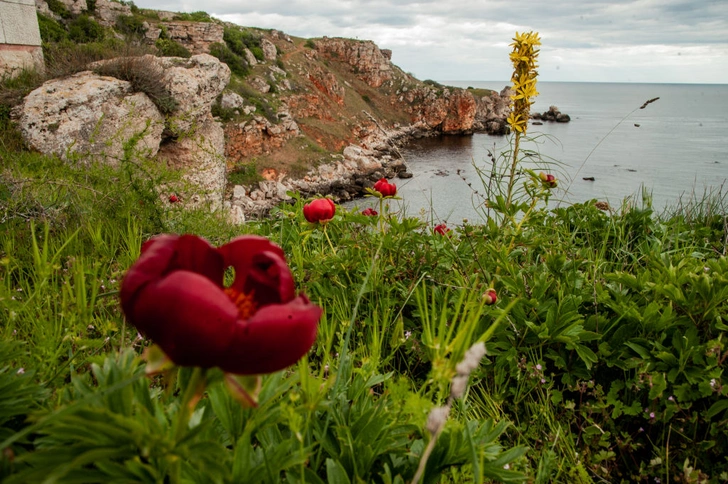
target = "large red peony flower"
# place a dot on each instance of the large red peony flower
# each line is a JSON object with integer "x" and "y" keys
{"x": 385, "y": 188}
{"x": 319, "y": 210}
{"x": 174, "y": 294}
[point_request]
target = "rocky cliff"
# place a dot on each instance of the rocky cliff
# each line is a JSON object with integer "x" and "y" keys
{"x": 316, "y": 115}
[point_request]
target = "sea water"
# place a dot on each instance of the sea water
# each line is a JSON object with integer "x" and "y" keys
{"x": 676, "y": 147}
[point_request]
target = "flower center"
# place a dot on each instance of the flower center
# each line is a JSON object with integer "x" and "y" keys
{"x": 245, "y": 302}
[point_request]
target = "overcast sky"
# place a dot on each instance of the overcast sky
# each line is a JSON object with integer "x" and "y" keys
{"x": 445, "y": 40}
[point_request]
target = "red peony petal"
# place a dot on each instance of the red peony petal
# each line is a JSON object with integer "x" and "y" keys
{"x": 167, "y": 253}
{"x": 269, "y": 280}
{"x": 188, "y": 316}
{"x": 195, "y": 254}
{"x": 274, "y": 338}
{"x": 240, "y": 252}
{"x": 156, "y": 253}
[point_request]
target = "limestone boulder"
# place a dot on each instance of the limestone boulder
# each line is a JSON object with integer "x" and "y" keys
{"x": 197, "y": 37}
{"x": 250, "y": 57}
{"x": 200, "y": 156}
{"x": 232, "y": 100}
{"x": 269, "y": 49}
{"x": 106, "y": 12}
{"x": 194, "y": 83}
{"x": 87, "y": 116}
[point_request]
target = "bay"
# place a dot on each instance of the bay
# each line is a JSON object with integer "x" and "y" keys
{"x": 677, "y": 147}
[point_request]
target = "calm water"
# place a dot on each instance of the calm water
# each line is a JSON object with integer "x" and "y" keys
{"x": 680, "y": 147}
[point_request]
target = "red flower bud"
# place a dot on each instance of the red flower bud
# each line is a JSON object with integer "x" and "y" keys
{"x": 385, "y": 188}
{"x": 370, "y": 212}
{"x": 441, "y": 229}
{"x": 173, "y": 198}
{"x": 319, "y": 210}
{"x": 549, "y": 181}
{"x": 174, "y": 294}
{"x": 490, "y": 297}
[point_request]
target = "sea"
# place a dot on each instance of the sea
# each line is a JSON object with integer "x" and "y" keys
{"x": 674, "y": 150}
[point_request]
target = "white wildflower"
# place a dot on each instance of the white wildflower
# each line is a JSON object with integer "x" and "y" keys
{"x": 458, "y": 386}
{"x": 471, "y": 360}
{"x": 436, "y": 419}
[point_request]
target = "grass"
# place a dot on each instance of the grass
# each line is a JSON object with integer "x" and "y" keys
{"x": 604, "y": 358}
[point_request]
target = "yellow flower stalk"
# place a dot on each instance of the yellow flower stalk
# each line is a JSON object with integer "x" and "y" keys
{"x": 523, "y": 57}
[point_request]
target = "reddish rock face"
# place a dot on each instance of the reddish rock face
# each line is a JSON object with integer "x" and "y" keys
{"x": 365, "y": 58}
{"x": 451, "y": 112}
{"x": 256, "y": 137}
{"x": 326, "y": 83}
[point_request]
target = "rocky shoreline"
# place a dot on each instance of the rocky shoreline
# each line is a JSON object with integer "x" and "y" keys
{"x": 346, "y": 178}
{"x": 360, "y": 166}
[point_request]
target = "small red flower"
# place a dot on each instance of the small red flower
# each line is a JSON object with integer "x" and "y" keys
{"x": 441, "y": 229}
{"x": 490, "y": 297}
{"x": 174, "y": 294}
{"x": 370, "y": 212}
{"x": 548, "y": 180}
{"x": 319, "y": 210}
{"x": 173, "y": 198}
{"x": 385, "y": 188}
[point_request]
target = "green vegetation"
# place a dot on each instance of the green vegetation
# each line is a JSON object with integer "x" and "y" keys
{"x": 244, "y": 174}
{"x": 194, "y": 17}
{"x": 606, "y": 343}
{"x": 171, "y": 48}
{"x": 84, "y": 29}
{"x": 605, "y": 349}
{"x": 144, "y": 77}
{"x": 237, "y": 64}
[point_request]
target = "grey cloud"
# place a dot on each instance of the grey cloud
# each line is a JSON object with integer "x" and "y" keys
{"x": 432, "y": 36}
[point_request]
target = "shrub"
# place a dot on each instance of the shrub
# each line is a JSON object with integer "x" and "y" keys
{"x": 130, "y": 25}
{"x": 432, "y": 83}
{"x": 236, "y": 63}
{"x": 238, "y": 40}
{"x": 84, "y": 29}
{"x": 66, "y": 58}
{"x": 144, "y": 77}
{"x": 59, "y": 8}
{"x": 258, "y": 53}
{"x": 171, "y": 48}
{"x": 50, "y": 30}
{"x": 194, "y": 17}
{"x": 310, "y": 44}
{"x": 244, "y": 174}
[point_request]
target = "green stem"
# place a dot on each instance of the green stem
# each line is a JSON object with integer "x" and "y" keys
{"x": 327, "y": 238}
{"x": 534, "y": 200}
{"x": 514, "y": 165}
{"x": 189, "y": 401}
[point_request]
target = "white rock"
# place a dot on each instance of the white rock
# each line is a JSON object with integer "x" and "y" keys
{"x": 236, "y": 215}
{"x": 238, "y": 193}
{"x": 89, "y": 115}
{"x": 232, "y": 100}
{"x": 269, "y": 49}
{"x": 201, "y": 157}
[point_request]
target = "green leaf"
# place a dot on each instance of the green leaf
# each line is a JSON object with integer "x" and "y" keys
{"x": 335, "y": 473}
{"x": 586, "y": 355}
{"x": 716, "y": 408}
{"x": 658, "y": 385}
